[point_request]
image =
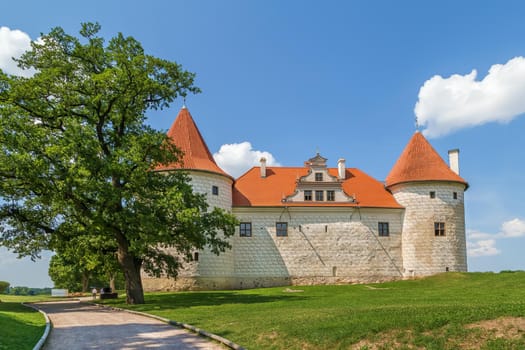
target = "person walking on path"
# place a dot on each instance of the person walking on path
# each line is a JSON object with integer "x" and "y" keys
{"x": 94, "y": 292}
{"x": 82, "y": 326}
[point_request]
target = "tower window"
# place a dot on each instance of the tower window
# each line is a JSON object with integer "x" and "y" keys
{"x": 196, "y": 256}
{"x": 319, "y": 197}
{"x": 281, "y": 229}
{"x": 432, "y": 194}
{"x": 330, "y": 196}
{"x": 307, "y": 195}
{"x": 318, "y": 176}
{"x": 383, "y": 229}
{"x": 439, "y": 228}
{"x": 455, "y": 195}
{"x": 245, "y": 229}
{"x": 215, "y": 190}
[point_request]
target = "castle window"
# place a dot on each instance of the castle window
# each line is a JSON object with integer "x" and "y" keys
{"x": 281, "y": 229}
{"x": 455, "y": 195}
{"x": 318, "y": 176}
{"x": 307, "y": 195}
{"x": 383, "y": 229}
{"x": 245, "y": 229}
{"x": 439, "y": 228}
{"x": 432, "y": 194}
{"x": 196, "y": 256}
{"x": 330, "y": 196}
{"x": 319, "y": 197}
{"x": 215, "y": 190}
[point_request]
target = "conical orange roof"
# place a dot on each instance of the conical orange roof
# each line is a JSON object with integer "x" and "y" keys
{"x": 187, "y": 137}
{"x": 420, "y": 162}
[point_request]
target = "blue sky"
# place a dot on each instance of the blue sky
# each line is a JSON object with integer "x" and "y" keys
{"x": 342, "y": 77}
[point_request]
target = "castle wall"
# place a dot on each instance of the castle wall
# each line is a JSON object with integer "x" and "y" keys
{"x": 324, "y": 245}
{"x": 424, "y": 253}
{"x": 210, "y": 271}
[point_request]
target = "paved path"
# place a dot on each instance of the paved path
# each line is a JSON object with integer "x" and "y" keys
{"x": 79, "y": 326}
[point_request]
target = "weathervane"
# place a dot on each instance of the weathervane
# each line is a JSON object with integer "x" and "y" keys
{"x": 417, "y": 124}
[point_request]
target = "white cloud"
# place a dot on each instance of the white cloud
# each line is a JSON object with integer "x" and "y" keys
{"x": 237, "y": 158}
{"x": 483, "y": 244}
{"x": 448, "y": 104}
{"x": 482, "y": 248}
{"x": 513, "y": 228}
{"x": 13, "y": 43}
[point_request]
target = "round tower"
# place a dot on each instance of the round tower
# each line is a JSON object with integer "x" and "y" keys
{"x": 207, "y": 270}
{"x": 433, "y": 234}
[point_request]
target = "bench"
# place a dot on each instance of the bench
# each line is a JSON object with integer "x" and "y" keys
{"x": 107, "y": 293}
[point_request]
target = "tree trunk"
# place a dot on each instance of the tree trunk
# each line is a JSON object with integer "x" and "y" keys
{"x": 131, "y": 268}
{"x": 112, "y": 282}
{"x": 85, "y": 282}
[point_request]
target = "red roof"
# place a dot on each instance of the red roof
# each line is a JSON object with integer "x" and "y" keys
{"x": 253, "y": 190}
{"x": 420, "y": 162}
{"x": 187, "y": 137}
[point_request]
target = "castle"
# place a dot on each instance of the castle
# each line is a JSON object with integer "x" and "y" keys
{"x": 320, "y": 225}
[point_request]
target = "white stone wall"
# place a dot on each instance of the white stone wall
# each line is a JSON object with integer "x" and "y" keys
{"x": 214, "y": 270}
{"x": 423, "y": 252}
{"x": 324, "y": 245}
{"x": 210, "y": 264}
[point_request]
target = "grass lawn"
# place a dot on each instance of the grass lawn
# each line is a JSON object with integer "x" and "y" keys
{"x": 431, "y": 313}
{"x": 20, "y": 327}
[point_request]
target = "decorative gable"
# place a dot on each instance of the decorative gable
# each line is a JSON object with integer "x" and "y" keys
{"x": 318, "y": 185}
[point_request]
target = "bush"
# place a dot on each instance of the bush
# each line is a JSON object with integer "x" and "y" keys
{"x": 3, "y": 286}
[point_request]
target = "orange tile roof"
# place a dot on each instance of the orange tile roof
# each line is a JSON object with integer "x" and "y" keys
{"x": 253, "y": 190}
{"x": 188, "y": 139}
{"x": 420, "y": 162}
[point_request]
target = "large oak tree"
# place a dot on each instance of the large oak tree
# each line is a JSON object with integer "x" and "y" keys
{"x": 78, "y": 159}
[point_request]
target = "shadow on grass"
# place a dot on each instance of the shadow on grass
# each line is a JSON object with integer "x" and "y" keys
{"x": 190, "y": 299}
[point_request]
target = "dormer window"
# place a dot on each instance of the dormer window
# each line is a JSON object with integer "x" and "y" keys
{"x": 318, "y": 176}
{"x": 330, "y": 196}
{"x": 307, "y": 195}
{"x": 319, "y": 197}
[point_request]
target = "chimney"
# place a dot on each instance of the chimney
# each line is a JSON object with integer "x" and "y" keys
{"x": 341, "y": 169}
{"x": 263, "y": 167}
{"x": 453, "y": 160}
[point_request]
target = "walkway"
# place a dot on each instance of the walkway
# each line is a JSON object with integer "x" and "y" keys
{"x": 78, "y": 325}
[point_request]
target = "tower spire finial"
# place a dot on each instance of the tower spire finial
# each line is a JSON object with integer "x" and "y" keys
{"x": 184, "y": 102}
{"x": 417, "y": 123}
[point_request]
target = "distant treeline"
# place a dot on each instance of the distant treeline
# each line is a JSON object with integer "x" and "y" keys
{"x": 27, "y": 291}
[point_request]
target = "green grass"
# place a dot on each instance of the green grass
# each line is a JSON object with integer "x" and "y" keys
{"x": 428, "y": 313}
{"x": 20, "y": 327}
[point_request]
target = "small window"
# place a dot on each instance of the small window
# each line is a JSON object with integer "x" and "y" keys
{"x": 383, "y": 229}
{"x": 439, "y": 228}
{"x": 196, "y": 256}
{"x": 281, "y": 229}
{"x": 308, "y": 195}
{"x": 319, "y": 196}
{"x": 215, "y": 190}
{"x": 318, "y": 176}
{"x": 455, "y": 195}
{"x": 245, "y": 229}
{"x": 432, "y": 194}
{"x": 330, "y": 196}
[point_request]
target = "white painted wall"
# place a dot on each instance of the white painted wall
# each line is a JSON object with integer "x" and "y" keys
{"x": 423, "y": 252}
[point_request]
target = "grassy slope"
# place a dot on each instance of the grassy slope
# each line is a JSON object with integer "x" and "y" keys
{"x": 20, "y": 327}
{"x": 428, "y": 312}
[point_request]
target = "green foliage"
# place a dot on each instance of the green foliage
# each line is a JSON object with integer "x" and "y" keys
{"x": 23, "y": 291}
{"x": 78, "y": 160}
{"x": 429, "y": 313}
{"x": 3, "y": 286}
